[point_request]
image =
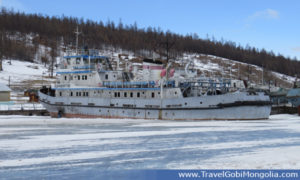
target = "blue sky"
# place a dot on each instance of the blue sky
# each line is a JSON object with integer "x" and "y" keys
{"x": 270, "y": 24}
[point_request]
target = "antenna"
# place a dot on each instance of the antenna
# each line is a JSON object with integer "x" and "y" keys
{"x": 77, "y": 34}
{"x": 262, "y": 74}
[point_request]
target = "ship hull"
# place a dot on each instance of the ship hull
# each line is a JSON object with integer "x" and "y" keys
{"x": 221, "y": 107}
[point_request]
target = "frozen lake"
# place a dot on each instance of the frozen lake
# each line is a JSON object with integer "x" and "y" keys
{"x": 42, "y": 146}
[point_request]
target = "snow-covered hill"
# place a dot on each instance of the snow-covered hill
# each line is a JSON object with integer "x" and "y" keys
{"x": 20, "y": 74}
{"x": 26, "y": 75}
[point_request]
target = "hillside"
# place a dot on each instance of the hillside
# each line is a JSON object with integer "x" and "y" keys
{"x": 24, "y": 35}
{"x": 20, "y": 75}
{"x": 28, "y": 75}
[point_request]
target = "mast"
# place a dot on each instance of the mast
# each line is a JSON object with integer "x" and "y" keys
{"x": 77, "y": 34}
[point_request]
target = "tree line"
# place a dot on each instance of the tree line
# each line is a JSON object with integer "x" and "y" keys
{"x": 21, "y": 34}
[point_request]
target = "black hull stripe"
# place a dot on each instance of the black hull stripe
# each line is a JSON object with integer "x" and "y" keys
{"x": 219, "y": 106}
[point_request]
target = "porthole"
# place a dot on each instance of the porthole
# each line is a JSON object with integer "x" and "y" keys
{"x": 200, "y": 102}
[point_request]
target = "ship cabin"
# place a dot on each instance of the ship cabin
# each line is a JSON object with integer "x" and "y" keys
{"x": 91, "y": 75}
{"x": 117, "y": 93}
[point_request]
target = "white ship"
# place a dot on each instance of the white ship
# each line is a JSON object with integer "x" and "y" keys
{"x": 89, "y": 86}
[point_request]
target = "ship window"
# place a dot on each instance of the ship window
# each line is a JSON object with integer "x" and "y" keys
{"x": 116, "y": 94}
{"x": 119, "y": 94}
{"x": 71, "y": 94}
{"x": 131, "y": 94}
{"x": 76, "y": 93}
{"x": 153, "y": 95}
{"x": 175, "y": 92}
{"x": 65, "y": 77}
{"x": 83, "y": 94}
{"x": 77, "y": 60}
{"x": 148, "y": 113}
{"x": 87, "y": 93}
{"x": 125, "y": 94}
{"x": 185, "y": 103}
{"x": 138, "y": 94}
{"x": 60, "y": 93}
{"x": 158, "y": 93}
{"x": 106, "y": 76}
{"x": 78, "y": 77}
{"x": 84, "y": 77}
{"x": 200, "y": 102}
{"x": 79, "y": 93}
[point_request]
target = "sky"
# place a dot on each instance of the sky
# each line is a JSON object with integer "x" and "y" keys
{"x": 269, "y": 24}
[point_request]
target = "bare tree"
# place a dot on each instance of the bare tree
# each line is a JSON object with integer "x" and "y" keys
{"x": 1, "y": 53}
{"x": 53, "y": 55}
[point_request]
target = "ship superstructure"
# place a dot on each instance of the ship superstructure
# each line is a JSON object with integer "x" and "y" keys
{"x": 89, "y": 85}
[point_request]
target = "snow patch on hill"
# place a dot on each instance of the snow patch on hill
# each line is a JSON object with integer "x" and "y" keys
{"x": 208, "y": 65}
{"x": 20, "y": 71}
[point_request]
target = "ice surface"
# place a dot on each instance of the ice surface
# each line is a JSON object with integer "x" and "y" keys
{"x": 77, "y": 146}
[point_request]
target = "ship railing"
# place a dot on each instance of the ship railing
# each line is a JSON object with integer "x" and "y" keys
{"x": 92, "y": 66}
{"x": 60, "y": 85}
{"x": 62, "y": 66}
{"x": 136, "y": 84}
{"x": 91, "y": 52}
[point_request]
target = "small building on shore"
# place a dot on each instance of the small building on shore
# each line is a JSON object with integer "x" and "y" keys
{"x": 4, "y": 93}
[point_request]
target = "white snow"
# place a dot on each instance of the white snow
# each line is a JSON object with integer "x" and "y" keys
{"x": 32, "y": 142}
{"x": 20, "y": 71}
{"x": 19, "y": 106}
